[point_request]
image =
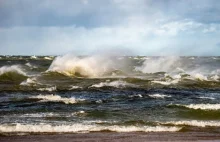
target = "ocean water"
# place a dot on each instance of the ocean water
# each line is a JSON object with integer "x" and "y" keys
{"x": 72, "y": 94}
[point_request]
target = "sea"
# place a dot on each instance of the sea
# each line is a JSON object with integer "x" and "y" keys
{"x": 107, "y": 93}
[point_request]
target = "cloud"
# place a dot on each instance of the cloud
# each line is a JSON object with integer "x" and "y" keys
{"x": 147, "y": 27}
{"x": 145, "y": 39}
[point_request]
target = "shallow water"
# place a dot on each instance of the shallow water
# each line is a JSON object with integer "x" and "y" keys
{"x": 72, "y": 94}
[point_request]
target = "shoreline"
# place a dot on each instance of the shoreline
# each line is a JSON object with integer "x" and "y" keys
{"x": 115, "y": 136}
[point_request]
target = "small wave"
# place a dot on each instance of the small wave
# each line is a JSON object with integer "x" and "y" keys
{"x": 13, "y": 68}
{"x": 50, "y": 89}
{"x": 79, "y": 128}
{"x": 117, "y": 84}
{"x": 161, "y": 96}
{"x": 195, "y": 123}
{"x": 201, "y": 106}
{"x": 55, "y": 98}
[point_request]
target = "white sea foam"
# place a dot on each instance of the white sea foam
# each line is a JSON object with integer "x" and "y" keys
{"x": 93, "y": 66}
{"x": 160, "y": 96}
{"x": 166, "y": 82}
{"x": 210, "y": 98}
{"x": 200, "y": 76}
{"x": 13, "y": 68}
{"x": 74, "y": 87}
{"x": 50, "y": 89}
{"x": 202, "y": 106}
{"x": 29, "y": 81}
{"x": 48, "y": 58}
{"x": 55, "y": 98}
{"x": 195, "y": 123}
{"x": 215, "y": 77}
{"x": 30, "y": 65}
{"x": 77, "y": 128}
{"x": 33, "y": 57}
{"x": 117, "y": 84}
{"x": 157, "y": 65}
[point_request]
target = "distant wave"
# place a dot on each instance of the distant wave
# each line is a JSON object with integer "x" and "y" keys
{"x": 77, "y": 128}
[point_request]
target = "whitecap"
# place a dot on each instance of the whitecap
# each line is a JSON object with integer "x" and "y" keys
{"x": 160, "y": 96}
{"x": 48, "y": 58}
{"x": 166, "y": 82}
{"x": 200, "y": 76}
{"x": 50, "y": 89}
{"x": 55, "y": 98}
{"x": 74, "y": 87}
{"x": 117, "y": 84}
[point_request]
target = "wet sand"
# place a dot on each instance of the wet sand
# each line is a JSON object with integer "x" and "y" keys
{"x": 117, "y": 137}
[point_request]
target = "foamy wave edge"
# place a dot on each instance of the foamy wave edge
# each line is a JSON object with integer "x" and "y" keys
{"x": 80, "y": 128}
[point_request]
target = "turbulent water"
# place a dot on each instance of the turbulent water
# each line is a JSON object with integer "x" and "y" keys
{"x": 71, "y": 94}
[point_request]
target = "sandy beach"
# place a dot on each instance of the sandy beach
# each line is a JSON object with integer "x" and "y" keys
{"x": 118, "y": 137}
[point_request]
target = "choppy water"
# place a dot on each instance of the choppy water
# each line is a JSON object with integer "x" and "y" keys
{"x": 71, "y": 94}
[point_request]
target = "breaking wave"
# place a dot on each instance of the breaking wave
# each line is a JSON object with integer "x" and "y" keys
{"x": 55, "y": 98}
{"x": 13, "y": 68}
{"x": 81, "y": 128}
{"x": 92, "y": 66}
{"x": 195, "y": 123}
{"x": 201, "y": 106}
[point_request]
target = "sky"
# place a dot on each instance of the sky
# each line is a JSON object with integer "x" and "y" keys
{"x": 86, "y": 27}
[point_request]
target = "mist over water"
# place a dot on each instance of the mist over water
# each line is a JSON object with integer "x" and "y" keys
{"x": 69, "y": 93}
